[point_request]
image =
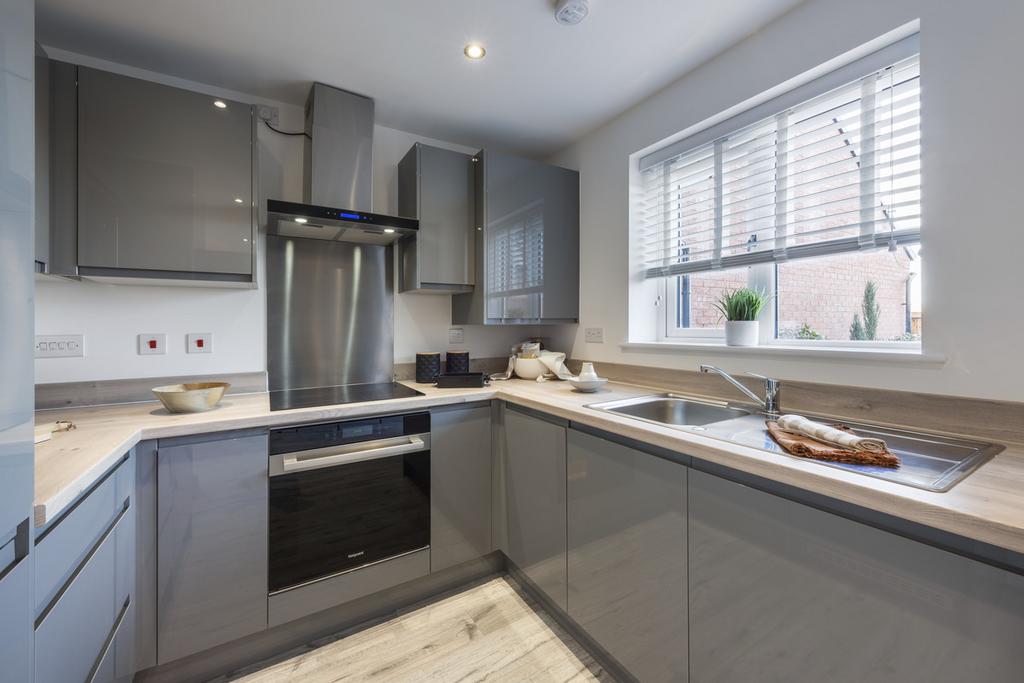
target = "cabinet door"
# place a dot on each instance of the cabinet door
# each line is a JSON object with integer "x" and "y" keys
{"x": 627, "y": 554}
{"x": 70, "y": 637}
{"x": 17, "y": 172}
{"x": 531, "y": 232}
{"x": 783, "y": 592}
{"x": 436, "y": 186}
{"x": 165, "y": 178}
{"x": 211, "y": 543}
{"x": 535, "y": 501}
{"x": 460, "y": 485}
{"x": 16, "y": 610}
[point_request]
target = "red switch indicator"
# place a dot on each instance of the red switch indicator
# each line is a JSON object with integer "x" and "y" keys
{"x": 152, "y": 344}
{"x": 199, "y": 342}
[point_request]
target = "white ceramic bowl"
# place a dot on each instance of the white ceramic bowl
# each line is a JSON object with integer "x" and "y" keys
{"x": 529, "y": 368}
{"x": 588, "y": 386}
{"x": 194, "y": 397}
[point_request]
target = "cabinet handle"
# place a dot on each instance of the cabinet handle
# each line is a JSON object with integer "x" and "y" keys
{"x": 346, "y": 455}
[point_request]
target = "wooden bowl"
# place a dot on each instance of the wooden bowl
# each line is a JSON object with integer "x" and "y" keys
{"x": 193, "y": 397}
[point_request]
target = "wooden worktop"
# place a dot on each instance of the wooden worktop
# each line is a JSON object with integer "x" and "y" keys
{"x": 987, "y": 506}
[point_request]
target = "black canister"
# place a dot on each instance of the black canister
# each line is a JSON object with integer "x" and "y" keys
{"x": 428, "y": 367}
{"x": 457, "y": 362}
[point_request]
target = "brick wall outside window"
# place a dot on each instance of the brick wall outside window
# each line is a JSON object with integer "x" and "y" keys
{"x": 823, "y": 293}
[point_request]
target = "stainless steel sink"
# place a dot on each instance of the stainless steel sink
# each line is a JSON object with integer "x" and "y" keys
{"x": 670, "y": 409}
{"x": 929, "y": 462}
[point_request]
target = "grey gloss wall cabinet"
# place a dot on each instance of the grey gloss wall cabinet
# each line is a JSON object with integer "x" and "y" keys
{"x": 535, "y": 501}
{"x": 436, "y": 186}
{"x": 784, "y": 592}
{"x": 165, "y": 182}
{"x": 460, "y": 485}
{"x": 627, "y": 555}
{"x": 211, "y": 541}
{"x": 527, "y": 243}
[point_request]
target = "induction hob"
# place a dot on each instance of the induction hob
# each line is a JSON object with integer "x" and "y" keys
{"x": 289, "y": 399}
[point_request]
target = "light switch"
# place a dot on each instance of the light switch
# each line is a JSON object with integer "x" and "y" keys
{"x": 595, "y": 335}
{"x": 152, "y": 344}
{"x": 60, "y": 346}
{"x": 199, "y": 342}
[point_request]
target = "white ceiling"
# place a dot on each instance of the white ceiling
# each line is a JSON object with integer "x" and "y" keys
{"x": 541, "y": 86}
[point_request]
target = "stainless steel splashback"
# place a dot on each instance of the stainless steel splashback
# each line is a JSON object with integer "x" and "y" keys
{"x": 339, "y": 149}
{"x": 330, "y": 313}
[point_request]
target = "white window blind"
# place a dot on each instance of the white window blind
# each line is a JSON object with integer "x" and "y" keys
{"x": 836, "y": 173}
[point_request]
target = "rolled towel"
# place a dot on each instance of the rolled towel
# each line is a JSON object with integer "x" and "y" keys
{"x": 798, "y": 424}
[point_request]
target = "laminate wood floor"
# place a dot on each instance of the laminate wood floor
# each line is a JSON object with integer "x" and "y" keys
{"x": 489, "y": 632}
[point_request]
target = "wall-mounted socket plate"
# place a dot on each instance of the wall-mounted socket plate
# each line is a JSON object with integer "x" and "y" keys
{"x": 267, "y": 113}
{"x": 152, "y": 344}
{"x": 595, "y": 335}
{"x": 456, "y": 335}
{"x": 60, "y": 346}
{"x": 199, "y": 342}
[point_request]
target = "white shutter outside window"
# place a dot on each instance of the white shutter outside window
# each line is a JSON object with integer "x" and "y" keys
{"x": 837, "y": 173}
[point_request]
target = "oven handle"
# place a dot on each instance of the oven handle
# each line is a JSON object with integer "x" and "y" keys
{"x": 346, "y": 455}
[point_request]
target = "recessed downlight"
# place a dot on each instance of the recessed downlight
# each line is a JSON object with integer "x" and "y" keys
{"x": 239, "y": 200}
{"x": 389, "y": 230}
{"x": 474, "y": 51}
{"x": 220, "y": 104}
{"x": 301, "y": 220}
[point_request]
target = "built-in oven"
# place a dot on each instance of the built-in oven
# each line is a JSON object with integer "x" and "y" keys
{"x": 347, "y": 494}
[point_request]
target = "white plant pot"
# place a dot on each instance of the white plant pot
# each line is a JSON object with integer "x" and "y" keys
{"x": 741, "y": 333}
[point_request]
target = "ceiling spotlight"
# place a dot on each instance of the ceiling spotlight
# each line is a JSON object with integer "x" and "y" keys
{"x": 389, "y": 230}
{"x": 301, "y": 220}
{"x": 571, "y": 12}
{"x": 239, "y": 200}
{"x": 220, "y": 104}
{"x": 474, "y": 51}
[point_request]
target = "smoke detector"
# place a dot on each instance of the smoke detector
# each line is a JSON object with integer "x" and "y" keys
{"x": 571, "y": 12}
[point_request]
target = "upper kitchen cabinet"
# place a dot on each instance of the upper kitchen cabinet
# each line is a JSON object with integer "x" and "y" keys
{"x": 527, "y": 243}
{"x": 436, "y": 186}
{"x": 163, "y": 186}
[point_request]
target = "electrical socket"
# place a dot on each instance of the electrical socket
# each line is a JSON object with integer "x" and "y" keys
{"x": 267, "y": 113}
{"x": 594, "y": 335}
{"x": 152, "y": 344}
{"x": 456, "y": 335}
{"x": 59, "y": 346}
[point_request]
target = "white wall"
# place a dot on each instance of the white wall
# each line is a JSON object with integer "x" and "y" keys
{"x": 111, "y": 316}
{"x": 971, "y": 58}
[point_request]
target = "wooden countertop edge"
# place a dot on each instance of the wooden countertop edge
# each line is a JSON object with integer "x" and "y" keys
{"x": 893, "y": 499}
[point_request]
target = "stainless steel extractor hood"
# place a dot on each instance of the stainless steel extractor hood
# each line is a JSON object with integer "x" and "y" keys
{"x": 338, "y": 183}
{"x": 345, "y": 225}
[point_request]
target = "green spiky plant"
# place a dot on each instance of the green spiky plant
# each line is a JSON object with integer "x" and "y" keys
{"x": 867, "y": 330}
{"x": 741, "y": 304}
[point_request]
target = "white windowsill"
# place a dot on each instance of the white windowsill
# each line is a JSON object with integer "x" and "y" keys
{"x": 885, "y": 355}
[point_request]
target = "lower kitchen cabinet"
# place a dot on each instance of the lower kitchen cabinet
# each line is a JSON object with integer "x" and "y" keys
{"x": 783, "y": 592}
{"x": 16, "y": 607}
{"x": 85, "y": 585}
{"x": 627, "y": 555}
{"x": 460, "y": 485}
{"x": 535, "y": 501}
{"x": 211, "y": 541}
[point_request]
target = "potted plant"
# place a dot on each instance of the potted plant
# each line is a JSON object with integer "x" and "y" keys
{"x": 741, "y": 308}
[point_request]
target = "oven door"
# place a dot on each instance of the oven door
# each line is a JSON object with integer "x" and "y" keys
{"x": 340, "y": 507}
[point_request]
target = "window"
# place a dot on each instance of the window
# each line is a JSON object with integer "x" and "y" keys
{"x": 817, "y": 202}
